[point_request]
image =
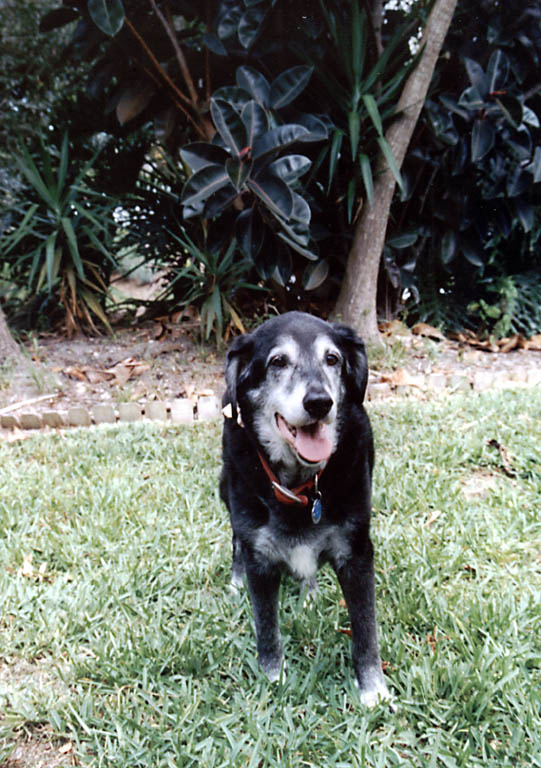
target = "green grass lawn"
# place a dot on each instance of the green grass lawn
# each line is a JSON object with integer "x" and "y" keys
{"x": 119, "y": 634}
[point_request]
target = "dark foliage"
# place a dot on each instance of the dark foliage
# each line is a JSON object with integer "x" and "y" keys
{"x": 466, "y": 230}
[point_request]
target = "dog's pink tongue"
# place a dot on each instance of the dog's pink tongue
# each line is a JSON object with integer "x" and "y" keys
{"x": 313, "y": 443}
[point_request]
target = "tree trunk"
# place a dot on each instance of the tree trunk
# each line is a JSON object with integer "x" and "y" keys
{"x": 9, "y": 350}
{"x": 356, "y": 304}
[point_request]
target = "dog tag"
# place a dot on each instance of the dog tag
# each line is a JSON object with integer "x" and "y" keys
{"x": 317, "y": 509}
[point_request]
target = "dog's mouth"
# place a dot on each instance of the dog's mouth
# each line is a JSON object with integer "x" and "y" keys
{"x": 310, "y": 441}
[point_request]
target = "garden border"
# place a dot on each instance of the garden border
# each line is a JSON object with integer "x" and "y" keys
{"x": 207, "y": 407}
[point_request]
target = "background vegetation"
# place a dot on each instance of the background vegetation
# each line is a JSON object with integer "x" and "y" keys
{"x": 121, "y": 638}
{"x": 248, "y": 131}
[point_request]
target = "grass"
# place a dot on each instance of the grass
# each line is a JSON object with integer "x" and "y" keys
{"x": 118, "y": 633}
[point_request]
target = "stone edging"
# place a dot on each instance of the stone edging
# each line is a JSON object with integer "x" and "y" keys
{"x": 184, "y": 411}
{"x": 178, "y": 411}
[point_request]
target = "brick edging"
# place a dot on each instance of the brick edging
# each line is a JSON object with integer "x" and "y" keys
{"x": 207, "y": 407}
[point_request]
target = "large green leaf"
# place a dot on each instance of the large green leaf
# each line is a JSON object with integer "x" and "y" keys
{"x": 448, "y": 246}
{"x": 250, "y": 26}
{"x": 297, "y": 226}
{"x": 238, "y": 170}
{"x": 107, "y": 15}
{"x": 518, "y": 182}
{"x": 497, "y": 71}
{"x": 471, "y": 99}
{"x": 368, "y": 181}
{"x": 476, "y": 75}
{"x": 236, "y": 96}
{"x": 73, "y": 246}
{"x": 511, "y": 109}
{"x": 229, "y": 22}
{"x": 255, "y": 121}
{"x": 315, "y": 275}
{"x": 482, "y": 139}
{"x": 387, "y": 152}
{"x": 28, "y": 168}
{"x": 200, "y": 154}
{"x": 310, "y": 254}
{"x": 354, "y": 125}
{"x": 317, "y": 129}
{"x": 336, "y": 145}
{"x": 250, "y": 232}
{"x": 373, "y": 112}
{"x": 229, "y": 125}
{"x": 203, "y": 183}
{"x": 50, "y": 249}
{"x": 278, "y": 139}
{"x": 290, "y": 168}
{"x": 274, "y": 193}
{"x": 288, "y": 85}
{"x": 255, "y": 83}
{"x": 219, "y": 201}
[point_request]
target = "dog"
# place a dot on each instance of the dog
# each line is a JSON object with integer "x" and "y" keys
{"x": 296, "y": 477}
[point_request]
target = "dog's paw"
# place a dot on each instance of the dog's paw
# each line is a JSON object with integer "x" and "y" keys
{"x": 309, "y": 592}
{"x": 235, "y": 585}
{"x": 274, "y": 669}
{"x": 375, "y": 693}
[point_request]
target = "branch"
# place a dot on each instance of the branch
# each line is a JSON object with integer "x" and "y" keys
{"x": 178, "y": 52}
{"x": 178, "y": 93}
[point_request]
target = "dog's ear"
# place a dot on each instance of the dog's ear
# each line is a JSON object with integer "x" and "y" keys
{"x": 238, "y": 357}
{"x": 356, "y": 365}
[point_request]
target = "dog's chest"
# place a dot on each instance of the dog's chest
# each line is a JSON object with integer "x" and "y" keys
{"x": 302, "y": 555}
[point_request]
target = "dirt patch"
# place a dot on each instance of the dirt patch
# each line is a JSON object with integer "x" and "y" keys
{"x": 164, "y": 361}
{"x": 151, "y": 362}
{"x": 33, "y": 747}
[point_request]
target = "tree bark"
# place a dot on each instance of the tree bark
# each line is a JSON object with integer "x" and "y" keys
{"x": 9, "y": 349}
{"x": 356, "y": 304}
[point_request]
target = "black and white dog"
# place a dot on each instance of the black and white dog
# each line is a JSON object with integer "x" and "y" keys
{"x": 296, "y": 477}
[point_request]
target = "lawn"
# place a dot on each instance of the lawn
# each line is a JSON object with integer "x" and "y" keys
{"x": 119, "y": 640}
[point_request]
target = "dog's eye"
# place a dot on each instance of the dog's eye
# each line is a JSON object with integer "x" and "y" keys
{"x": 332, "y": 359}
{"x": 278, "y": 361}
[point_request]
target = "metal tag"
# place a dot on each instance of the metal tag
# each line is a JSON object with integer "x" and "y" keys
{"x": 317, "y": 509}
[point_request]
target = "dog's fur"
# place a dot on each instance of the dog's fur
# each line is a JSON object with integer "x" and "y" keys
{"x": 313, "y": 374}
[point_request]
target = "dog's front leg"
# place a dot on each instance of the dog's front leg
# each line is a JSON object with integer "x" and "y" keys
{"x": 356, "y": 578}
{"x": 264, "y": 586}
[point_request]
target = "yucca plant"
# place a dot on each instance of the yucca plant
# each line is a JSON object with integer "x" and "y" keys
{"x": 61, "y": 239}
{"x": 208, "y": 278}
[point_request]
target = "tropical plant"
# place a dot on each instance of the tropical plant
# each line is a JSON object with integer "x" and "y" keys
{"x": 469, "y": 215}
{"x": 249, "y": 165}
{"x": 59, "y": 241}
{"x": 209, "y": 278}
{"x": 265, "y": 169}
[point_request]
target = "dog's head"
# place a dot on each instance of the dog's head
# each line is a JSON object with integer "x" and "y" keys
{"x": 290, "y": 379}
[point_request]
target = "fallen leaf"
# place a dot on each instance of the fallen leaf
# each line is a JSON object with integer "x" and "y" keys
{"x": 433, "y": 516}
{"x": 75, "y": 373}
{"x": 428, "y": 331}
{"x": 507, "y": 462}
{"x": 27, "y": 569}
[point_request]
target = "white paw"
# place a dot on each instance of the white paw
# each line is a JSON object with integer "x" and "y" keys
{"x": 376, "y": 693}
{"x": 235, "y": 585}
{"x": 276, "y": 673}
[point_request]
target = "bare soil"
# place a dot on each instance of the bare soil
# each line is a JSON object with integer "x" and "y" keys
{"x": 163, "y": 360}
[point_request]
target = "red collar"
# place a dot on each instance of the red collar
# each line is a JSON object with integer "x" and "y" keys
{"x": 293, "y": 495}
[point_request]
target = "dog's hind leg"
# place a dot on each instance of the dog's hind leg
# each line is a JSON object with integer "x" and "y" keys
{"x": 264, "y": 587}
{"x": 237, "y": 572}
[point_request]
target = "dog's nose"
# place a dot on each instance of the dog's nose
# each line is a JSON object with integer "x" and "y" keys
{"x": 317, "y": 403}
